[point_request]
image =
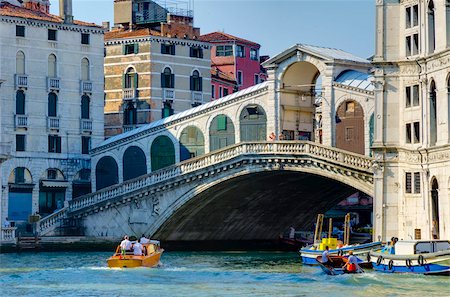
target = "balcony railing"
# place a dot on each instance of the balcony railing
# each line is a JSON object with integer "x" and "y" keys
{"x": 53, "y": 122}
{"x": 20, "y": 121}
{"x": 53, "y": 84}
{"x": 21, "y": 81}
{"x": 127, "y": 128}
{"x": 129, "y": 94}
{"x": 85, "y": 86}
{"x": 168, "y": 94}
{"x": 86, "y": 125}
{"x": 197, "y": 97}
{"x": 8, "y": 234}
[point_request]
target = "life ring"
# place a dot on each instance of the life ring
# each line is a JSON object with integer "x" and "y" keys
{"x": 391, "y": 263}
{"x": 368, "y": 257}
{"x": 420, "y": 260}
{"x": 408, "y": 263}
{"x": 340, "y": 253}
{"x": 380, "y": 258}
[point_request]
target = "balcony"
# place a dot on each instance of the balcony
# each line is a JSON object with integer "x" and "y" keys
{"x": 129, "y": 94}
{"x": 20, "y": 121}
{"x": 21, "y": 81}
{"x": 53, "y": 123}
{"x": 53, "y": 84}
{"x": 168, "y": 94}
{"x": 85, "y": 86}
{"x": 86, "y": 125}
{"x": 127, "y": 128}
{"x": 197, "y": 97}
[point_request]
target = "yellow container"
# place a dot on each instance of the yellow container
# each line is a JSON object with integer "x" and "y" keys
{"x": 330, "y": 242}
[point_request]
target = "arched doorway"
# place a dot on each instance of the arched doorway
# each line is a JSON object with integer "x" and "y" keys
{"x": 221, "y": 132}
{"x": 20, "y": 198}
{"x": 192, "y": 143}
{"x": 134, "y": 163}
{"x": 52, "y": 191}
{"x": 106, "y": 173}
{"x": 435, "y": 209}
{"x": 297, "y": 98}
{"x": 162, "y": 153}
{"x": 350, "y": 127}
{"x": 433, "y": 114}
{"x": 253, "y": 123}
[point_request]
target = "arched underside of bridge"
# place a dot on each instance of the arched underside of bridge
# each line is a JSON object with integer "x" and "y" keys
{"x": 257, "y": 206}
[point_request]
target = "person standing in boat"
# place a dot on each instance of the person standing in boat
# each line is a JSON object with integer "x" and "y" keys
{"x": 125, "y": 245}
{"x": 352, "y": 263}
{"x": 138, "y": 248}
{"x": 326, "y": 260}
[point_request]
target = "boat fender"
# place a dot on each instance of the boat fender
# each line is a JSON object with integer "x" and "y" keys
{"x": 380, "y": 258}
{"x": 340, "y": 253}
{"x": 368, "y": 257}
{"x": 408, "y": 263}
{"x": 420, "y": 260}
{"x": 391, "y": 263}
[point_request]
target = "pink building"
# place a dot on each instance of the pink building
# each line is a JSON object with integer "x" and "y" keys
{"x": 235, "y": 58}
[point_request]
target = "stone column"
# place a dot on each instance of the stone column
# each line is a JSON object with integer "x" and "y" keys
{"x": 328, "y": 108}
{"x": 379, "y": 31}
{"x": 379, "y": 233}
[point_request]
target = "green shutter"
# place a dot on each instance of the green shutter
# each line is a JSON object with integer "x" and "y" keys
{"x": 172, "y": 81}
{"x": 191, "y": 83}
{"x": 162, "y": 81}
{"x": 136, "y": 48}
{"x": 124, "y": 51}
{"x": 136, "y": 77}
{"x": 221, "y": 123}
{"x": 200, "y": 80}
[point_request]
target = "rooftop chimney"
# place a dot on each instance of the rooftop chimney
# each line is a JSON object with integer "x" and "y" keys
{"x": 65, "y": 11}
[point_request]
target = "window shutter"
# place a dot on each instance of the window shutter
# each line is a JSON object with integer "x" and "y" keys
{"x": 200, "y": 80}
{"x": 201, "y": 53}
{"x": 191, "y": 52}
{"x": 221, "y": 123}
{"x": 58, "y": 144}
{"x": 172, "y": 49}
{"x": 172, "y": 81}
{"x": 136, "y": 77}
{"x": 162, "y": 48}
{"x": 124, "y": 49}
{"x": 136, "y": 48}
{"x": 191, "y": 85}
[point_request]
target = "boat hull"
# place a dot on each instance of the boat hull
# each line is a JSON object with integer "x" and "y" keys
{"x": 131, "y": 261}
{"x": 361, "y": 252}
{"x": 432, "y": 263}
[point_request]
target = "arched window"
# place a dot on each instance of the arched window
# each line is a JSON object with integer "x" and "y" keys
{"x": 167, "y": 78}
{"x": 435, "y": 209}
{"x": 52, "y": 71}
{"x": 431, "y": 27}
{"x": 20, "y": 102}
{"x": 20, "y": 63}
{"x": 433, "y": 114}
{"x": 85, "y": 75}
{"x": 253, "y": 123}
{"x": 52, "y": 104}
{"x": 85, "y": 102}
{"x": 134, "y": 163}
{"x": 162, "y": 152}
{"x": 130, "y": 79}
{"x": 192, "y": 143}
{"x": 130, "y": 114}
{"x": 196, "y": 82}
{"x": 221, "y": 132}
{"x": 106, "y": 173}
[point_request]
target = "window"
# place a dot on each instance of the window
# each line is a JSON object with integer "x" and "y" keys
{"x": 85, "y": 145}
{"x": 256, "y": 79}
{"x": 412, "y": 16}
{"x": 431, "y": 27}
{"x": 412, "y": 96}
{"x": 167, "y": 110}
{"x": 19, "y": 175}
{"x": 408, "y": 182}
{"x": 51, "y": 34}
{"x": 20, "y": 31}
{"x": 54, "y": 144}
{"x": 85, "y": 102}
{"x": 52, "y": 66}
{"x": 220, "y": 92}
{"x": 167, "y": 78}
{"x": 52, "y": 174}
{"x": 85, "y": 38}
{"x": 254, "y": 54}
{"x": 417, "y": 182}
{"x": 20, "y": 102}
{"x": 240, "y": 51}
{"x": 239, "y": 78}
{"x": 225, "y": 92}
{"x": 221, "y": 123}
{"x": 196, "y": 52}
{"x": 213, "y": 91}
{"x": 85, "y": 75}
{"x": 416, "y": 132}
{"x": 20, "y": 63}
{"x": 20, "y": 143}
{"x": 413, "y": 132}
{"x": 130, "y": 115}
{"x": 412, "y": 182}
{"x": 196, "y": 82}
{"x": 52, "y": 104}
{"x": 129, "y": 49}
{"x": 412, "y": 45}
{"x": 168, "y": 49}
{"x": 130, "y": 79}
{"x": 408, "y": 133}
{"x": 224, "y": 50}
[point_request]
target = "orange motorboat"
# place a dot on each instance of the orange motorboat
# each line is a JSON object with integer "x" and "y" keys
{"x": 150, "y": 258}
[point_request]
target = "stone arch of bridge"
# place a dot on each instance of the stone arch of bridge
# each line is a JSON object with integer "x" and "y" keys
{"x": 252, "y": 205}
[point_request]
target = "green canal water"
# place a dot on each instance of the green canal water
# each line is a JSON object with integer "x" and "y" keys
{"x": 198, "y": 274}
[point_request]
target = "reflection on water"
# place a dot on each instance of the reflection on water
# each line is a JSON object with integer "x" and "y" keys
{"x": 198, "y": 274}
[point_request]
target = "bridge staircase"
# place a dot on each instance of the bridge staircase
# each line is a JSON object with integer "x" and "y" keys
{"x": 312, "y": 157}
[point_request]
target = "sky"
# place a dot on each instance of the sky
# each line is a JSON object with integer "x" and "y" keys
{"x": 275, "y": 24}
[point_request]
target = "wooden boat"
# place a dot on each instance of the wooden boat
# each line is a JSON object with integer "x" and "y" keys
{"x": 415, "y": 256}
{"x": 151, "y": 258}
{"x": 336, "y": 267}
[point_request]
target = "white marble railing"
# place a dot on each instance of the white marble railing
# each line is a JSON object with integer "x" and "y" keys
{"x": 129, "y": 94}
{"x": 8, "y": 234}
{"x": 86, "y": 125}
{"x": 21, "y": 80}
{"x": 20, "y": 121}
{"x": 52, "y": 122}
{"x": 53, "y": 83}
{"x": 51, "y": 222}
{"x": 85, "y": 86}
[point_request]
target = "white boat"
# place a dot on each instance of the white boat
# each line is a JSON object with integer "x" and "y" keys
{"x": 415, "y": 256}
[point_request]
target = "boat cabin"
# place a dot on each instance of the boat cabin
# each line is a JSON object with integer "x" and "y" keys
{"x": 411, "y": 247}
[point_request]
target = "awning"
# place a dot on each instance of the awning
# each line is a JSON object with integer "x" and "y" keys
{"x": 54, "y": 183}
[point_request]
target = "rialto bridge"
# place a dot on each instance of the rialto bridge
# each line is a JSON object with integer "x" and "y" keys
{"x": 245, "y": 166}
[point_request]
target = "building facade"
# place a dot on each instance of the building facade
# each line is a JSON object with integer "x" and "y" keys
{"x": 237, "y": 58}
{"x": 412, "y": 119}
{"x": 155, "y": 66}
{"x": 51, "y": 106}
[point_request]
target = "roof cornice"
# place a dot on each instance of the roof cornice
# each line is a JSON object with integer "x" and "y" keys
{"x": 159, "y": 39}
